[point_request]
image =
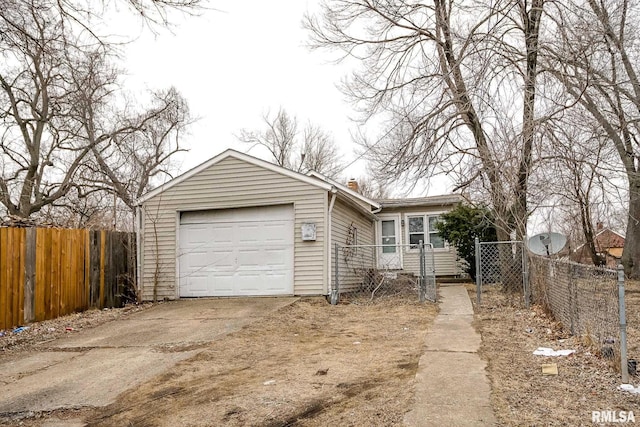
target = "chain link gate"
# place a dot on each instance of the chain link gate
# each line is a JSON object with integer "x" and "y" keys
{"x": 502, "y": 264}
{"x": 373, "y": 271}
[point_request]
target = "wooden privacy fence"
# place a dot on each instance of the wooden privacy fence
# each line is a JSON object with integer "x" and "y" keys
{"x": 49, "y": 272}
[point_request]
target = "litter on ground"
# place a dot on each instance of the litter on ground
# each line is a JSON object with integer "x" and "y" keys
{"x": 630, "y": 388}
{"x": 549, "y": 352}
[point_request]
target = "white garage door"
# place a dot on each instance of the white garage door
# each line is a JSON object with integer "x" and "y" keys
{"x": 236, "y": 252}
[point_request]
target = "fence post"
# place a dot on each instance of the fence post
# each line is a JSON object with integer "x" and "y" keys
{"x": 624, "y": 367}
{"x": 335, "y": 289}
{"x": 573, "y": 306}
{"x": 478, "y": 273}
{"x": 525, "y": 276}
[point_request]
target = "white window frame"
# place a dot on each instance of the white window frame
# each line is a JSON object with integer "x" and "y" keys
{"x": 425, "y": 216}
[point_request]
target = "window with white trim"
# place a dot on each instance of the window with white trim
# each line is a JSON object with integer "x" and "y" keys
{"x": 423, "y": 228}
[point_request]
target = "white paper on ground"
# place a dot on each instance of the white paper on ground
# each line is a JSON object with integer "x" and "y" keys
{"x": 630, "y": 388}
{"x": 545, "y": 351}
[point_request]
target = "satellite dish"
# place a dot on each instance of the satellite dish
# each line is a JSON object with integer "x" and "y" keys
{"x": 547, "y": 243}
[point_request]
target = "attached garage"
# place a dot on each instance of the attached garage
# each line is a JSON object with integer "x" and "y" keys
{"x": 236, "y": 252}
{"x": 240, "y": 226}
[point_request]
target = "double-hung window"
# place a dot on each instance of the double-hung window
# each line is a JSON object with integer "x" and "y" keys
{"x": 423, "y": 228}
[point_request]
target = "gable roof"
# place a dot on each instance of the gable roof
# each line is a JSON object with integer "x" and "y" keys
{"x": 443, "y": 200}
{"x": 344, "y": 189}
{"x": 240, "y": 156}
{"x": 606, "y": 239}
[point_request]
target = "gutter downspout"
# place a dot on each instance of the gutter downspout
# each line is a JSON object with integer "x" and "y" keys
{"x": 139, "y": 253}
{"x": 333, "y": 293}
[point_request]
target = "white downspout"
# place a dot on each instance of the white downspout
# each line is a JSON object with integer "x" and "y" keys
{"x": 139, "y": 234}
{"x": 333, "y": 295}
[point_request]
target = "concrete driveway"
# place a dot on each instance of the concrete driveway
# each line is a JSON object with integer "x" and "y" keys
{"x": 91, "y": 368}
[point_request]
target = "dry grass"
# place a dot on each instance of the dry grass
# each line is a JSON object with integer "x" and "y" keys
{"x": 521, "y": 395}
{"x": 309, "y": 364}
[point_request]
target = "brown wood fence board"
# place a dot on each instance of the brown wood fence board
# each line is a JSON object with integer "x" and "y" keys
{"x": 87, "y": 270}
{"x": 63, "y": 274}
{"x": 54, "y": 303}
{"x": 76, "y": 270}
{"x": 11, "y": 280}
{"x": 7, "y": 270}
{"x": 30, "y": 262}
{"x": 12, "y": 240}
{"x": 103, "y": 249}
{"x": 4, "y": 281}
{"x": 81, "y": 296}
{"x": 94, "y": 298}
{"x": 68, "y": 284}
{"x": 118, "y": 254}
{"x": 72, "y": 287}
{"x": 46, "y": 273}
{"x": 18, "y": 275}
{"x": 39, "y": 285}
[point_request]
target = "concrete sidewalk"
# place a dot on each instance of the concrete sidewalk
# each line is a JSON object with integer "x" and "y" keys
{"x": 452, "y": 388}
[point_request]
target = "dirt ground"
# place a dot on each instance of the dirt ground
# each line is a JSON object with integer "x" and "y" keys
{"x": 48, "y": 330}
{"x": 586, "y": 382}
{"x": 309, "y": 364}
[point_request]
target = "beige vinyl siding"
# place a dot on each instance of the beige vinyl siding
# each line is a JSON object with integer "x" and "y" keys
{"x": 445, "y": 260}
{"x": 343, "y": 216}
{"x": 231, "y": 183}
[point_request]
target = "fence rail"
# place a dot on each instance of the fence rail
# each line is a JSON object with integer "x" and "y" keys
{"x": 49, "y": 272}
{"x": 372, "y": 271}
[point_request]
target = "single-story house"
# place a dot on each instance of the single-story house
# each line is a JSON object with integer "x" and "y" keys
{"x": 409, "y": 221}
{"x": 609, "y": 246}
{"x": 237, "y": 225}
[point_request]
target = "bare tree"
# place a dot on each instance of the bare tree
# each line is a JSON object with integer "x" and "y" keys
{"x": 41, "y": 156}
{"x": 311, "y": 149}
{"x": 129, "y": 160}
{"x": 583, "y": 166}
{"x": 62, "y": 112}
{"x": 596, "y": 57}
{"x": 446, "y": 76}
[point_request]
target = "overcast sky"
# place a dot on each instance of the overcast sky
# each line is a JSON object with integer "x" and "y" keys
{"x": 238, "y": 62}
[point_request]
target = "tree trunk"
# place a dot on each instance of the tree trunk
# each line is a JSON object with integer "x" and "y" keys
{"x": 631, "y": 253}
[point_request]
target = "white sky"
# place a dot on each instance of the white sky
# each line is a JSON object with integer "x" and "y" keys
{"x": 238, "y": 62}
{"x": 234, "y": 65}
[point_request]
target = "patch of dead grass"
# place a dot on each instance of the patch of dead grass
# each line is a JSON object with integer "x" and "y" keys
{"x": 521, "y": 395}
{"x": 309, "y": 364}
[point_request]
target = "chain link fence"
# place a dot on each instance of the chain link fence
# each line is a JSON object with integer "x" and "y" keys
{"x": 503, "y": 265}
{"x": 587, "y": 300}
{"x": 366, "y": 272}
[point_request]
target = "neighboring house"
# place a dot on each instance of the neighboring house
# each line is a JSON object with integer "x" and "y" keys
{"x": 609, "y": 245}
{"x": 240, "y": 226}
